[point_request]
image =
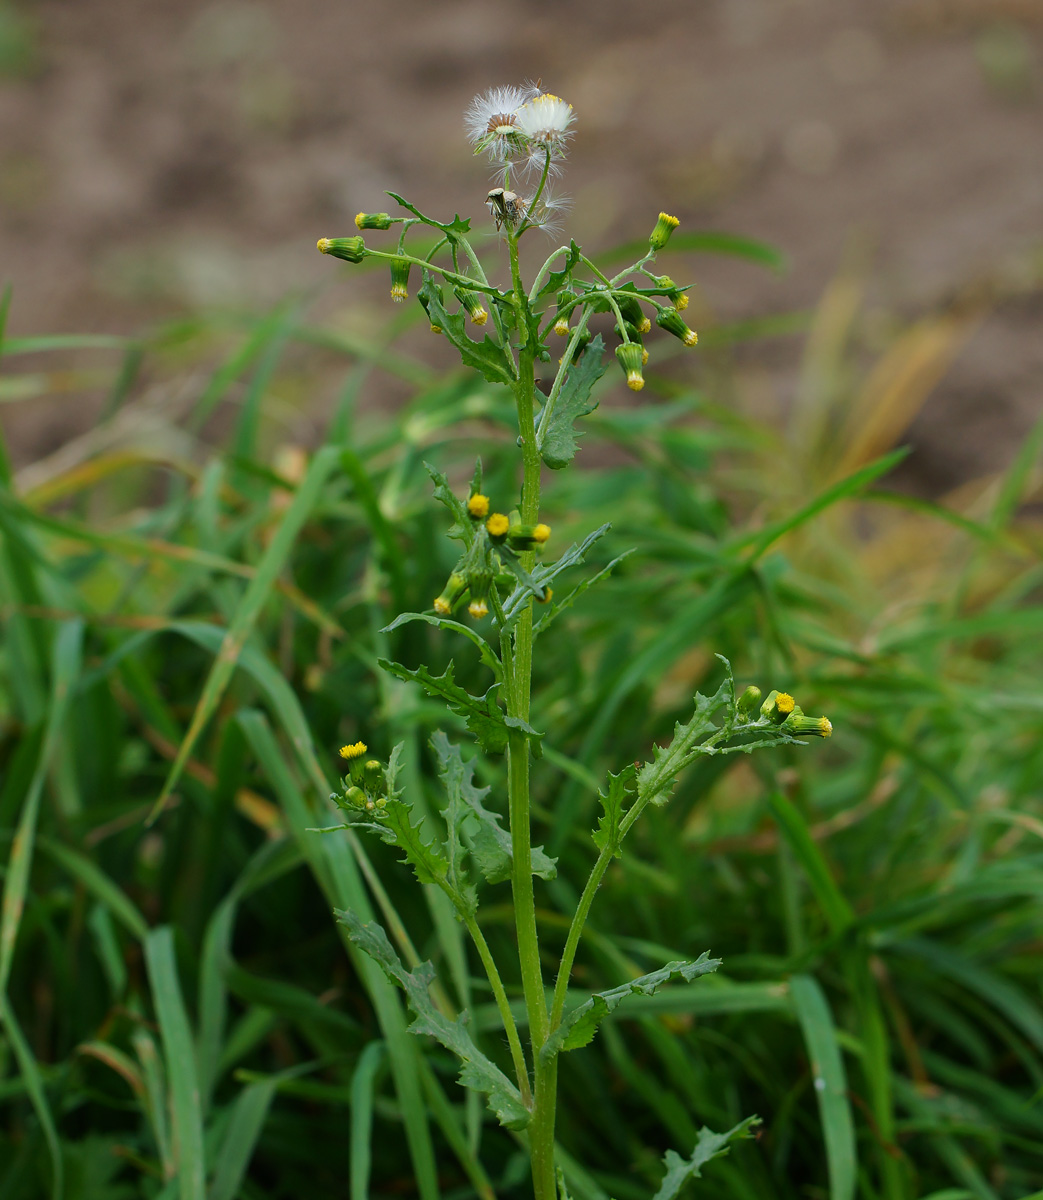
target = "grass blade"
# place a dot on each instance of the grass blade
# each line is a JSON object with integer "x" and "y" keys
{"x": 827, "y": 1069}
{"x": 362, "y": 1091}
{"x": 179, "y": 1053}
{"x": 30, "y": 1072}
{"x": 244, "y": 1128}
{"x": 249, "y": 609}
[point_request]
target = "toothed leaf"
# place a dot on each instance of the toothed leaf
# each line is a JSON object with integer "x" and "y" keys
{"x": 490, "y": 844}
{"x": 580, "y": 1025}
{"x": 472, "y": 635}
{"x": 457, "y": 225}
{"x": 607, "y": 836}
{"x": 477, "y": 1071}
{"x": 485, "y": 356}
{"x": 559, "y": 440}
{"x": 462, "y": 529}
{"x": 709, "y": 1145}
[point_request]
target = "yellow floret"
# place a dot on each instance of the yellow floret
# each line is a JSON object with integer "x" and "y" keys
{"x": 353, "y": 751}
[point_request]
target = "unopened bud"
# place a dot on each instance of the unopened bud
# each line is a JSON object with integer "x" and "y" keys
{"x": 373, "y": 221}
{"x": 525, "y": 537}
{"x": 455, "y": 587}
{"x": 663, "y": 228}
{"x": 472, "y": 301}
{"x": 399, "y": 279}
{"x": 749, "y": 700}
{"x": 351, "y": 249}
{"x": 630, "y": 357}
{"x": 670, "y": 320}
{"x": 632, "y": 312}
{"x": 354, "y": 797}
{"x": 798, "y": 724}
{"x": 374, "y": 776}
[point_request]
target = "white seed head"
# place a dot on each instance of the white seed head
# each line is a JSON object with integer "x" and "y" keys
{"x": 491, "y": 121}
{"x": 546, "y": 121}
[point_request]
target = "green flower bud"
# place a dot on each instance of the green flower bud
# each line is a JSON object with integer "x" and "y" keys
{"x": 423, "y": 300}
{"x": 585, "y": 338}
{"x": 480, "y": 582}
{"x": 561, "y": 323}
{"x": 455, "y": 587}
{"x": 749, "y": 700}
{"x": 631, "y": 358}
{"x": 472, "y": 301}
{"x": 352, "y": 249}
{"x": 668, "y": 319}
{"x": 527, "y": 537}
{"x": 632, "y": 334}
{"x": 663, "y": 228}
{"x": 800, "y": 725}
{"x": 372, "y": 221}
{"x": 399, "y": 279}
{"x": 633, "y": 313}
{"x": 354, "y": 797}
{"x": 677, "y": 296}
{"x": 373, "y": 774}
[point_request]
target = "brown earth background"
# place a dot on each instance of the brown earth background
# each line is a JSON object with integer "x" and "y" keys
{"x": 176, "y": 156}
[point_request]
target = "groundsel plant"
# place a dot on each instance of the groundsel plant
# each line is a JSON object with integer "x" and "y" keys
{"x": 502, "y": 581}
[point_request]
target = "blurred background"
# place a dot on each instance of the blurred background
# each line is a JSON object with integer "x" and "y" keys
{"x": 184, "y": 156}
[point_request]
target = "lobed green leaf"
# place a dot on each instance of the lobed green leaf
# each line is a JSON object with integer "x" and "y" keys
{"x": 477, "y": 1071}
{"x": 708, "y": 1146}
{"x": 559, "y": 444}
{"x": 579, "y": 1026}
{"x": 490, "y": 844}
{"x": 486, "y": 356}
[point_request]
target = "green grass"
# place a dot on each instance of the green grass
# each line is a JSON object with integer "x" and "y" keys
{"x": 189, "y": 635}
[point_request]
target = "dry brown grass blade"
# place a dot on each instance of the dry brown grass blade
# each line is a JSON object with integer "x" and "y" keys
{"x": 822, "y": 367}
{"x": 899, "y": 385}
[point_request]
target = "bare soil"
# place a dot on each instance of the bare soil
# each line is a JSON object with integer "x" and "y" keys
{"x": 159, "y": 157}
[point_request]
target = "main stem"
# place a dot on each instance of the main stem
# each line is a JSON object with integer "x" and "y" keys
{"x": 541, "y": 1124}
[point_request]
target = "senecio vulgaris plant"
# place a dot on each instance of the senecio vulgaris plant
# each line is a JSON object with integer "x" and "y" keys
{"x": 501, "y": 575}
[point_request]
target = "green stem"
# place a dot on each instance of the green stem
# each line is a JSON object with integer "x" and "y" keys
{"x": 559, "y": 379}
{"x": 543, "y": 272}
{"x": 503, "y": 1004}
{"x": 474, "y": 285}
{"x": 541, "y": 1127}
{"x": 579, "y": 919}
{"x": 527, "y": 224}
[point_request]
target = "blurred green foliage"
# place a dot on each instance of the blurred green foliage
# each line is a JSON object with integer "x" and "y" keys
{"x": 181, "y": 1016}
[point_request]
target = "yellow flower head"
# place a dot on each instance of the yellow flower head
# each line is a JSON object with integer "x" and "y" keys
{"x": 356, "y": 750}
{"x": 784, "y": 702}
{"x": 497, "y": 525}
{"x": 478, "y": 506}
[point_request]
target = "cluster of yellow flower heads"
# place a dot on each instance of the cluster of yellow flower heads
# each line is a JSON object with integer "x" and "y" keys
{"x": 781, "y": 709}
{"x": 475, "y": 574}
